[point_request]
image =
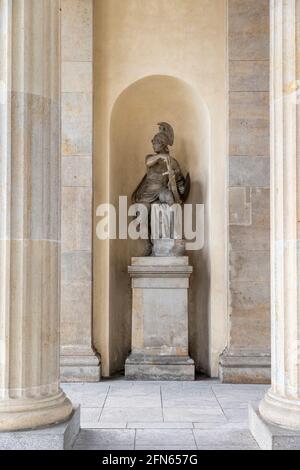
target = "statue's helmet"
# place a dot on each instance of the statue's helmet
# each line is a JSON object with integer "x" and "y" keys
{"x": 162, "y": 138}
{"x": 166, "y": 129}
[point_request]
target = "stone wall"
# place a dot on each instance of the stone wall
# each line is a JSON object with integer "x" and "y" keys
{"x": 78, "y": 361}
{"x": 246, "y": 358}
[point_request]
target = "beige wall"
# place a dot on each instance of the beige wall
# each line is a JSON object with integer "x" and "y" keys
{"x": 78, "y": 361}
{"x": 134, "y": 39}
{"x": 248, "y": 356}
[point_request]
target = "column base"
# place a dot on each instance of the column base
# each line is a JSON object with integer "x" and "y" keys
{"x": 280, "y": 411}
{"x": 29, "y": 413}
{"x": 269, "y": 436}
{"x": 80, "y": 368}
{"x": 142, "y": 367}
{"x": 57, "y": 437}
{"x": 244, "y": 367}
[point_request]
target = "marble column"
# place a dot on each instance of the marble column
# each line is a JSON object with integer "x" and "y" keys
{"x": 281, "y": 404}
{"x": 30, "y": 394}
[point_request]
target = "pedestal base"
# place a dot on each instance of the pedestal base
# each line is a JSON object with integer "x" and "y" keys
{"x": 269, "y": 436}
{"x": 140, "y": 367}
{"x": 57, "y": 437}
{"x": 241, "y": 367}
{"x": 80, "y": 369}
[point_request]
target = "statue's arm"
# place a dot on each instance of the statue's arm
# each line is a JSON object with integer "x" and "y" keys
{"x": 151, "y": 160}
{"x": 176, "y": 167}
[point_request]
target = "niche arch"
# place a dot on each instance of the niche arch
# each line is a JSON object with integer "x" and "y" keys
{"x": 133, "y": 122}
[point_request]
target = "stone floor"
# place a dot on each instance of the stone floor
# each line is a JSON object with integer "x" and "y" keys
{"x": 205, "y": 414}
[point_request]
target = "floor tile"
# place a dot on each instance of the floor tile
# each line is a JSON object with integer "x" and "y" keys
{"x": 238, "y": 397}
{"x": 86, "y": 396}
{"x": 188, "y": 401}
{"x": 159, "y": 425}
{"x": 192, "y": 414}
{"x": 121, "y": 414}
{"x": 220, "y": 440}
{"x": 105, "y": 439}
{"x": 236, "y": 415}
{"x": 90, "y": 415}
{"x": 165, "y": 438}
{"x": 131, "y": 414}
{"x": 106, "y": 425}
{"x": 134, "y": 397}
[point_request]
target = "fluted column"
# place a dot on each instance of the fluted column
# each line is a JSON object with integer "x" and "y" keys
{"x": 30, "y": 394}
{"x": 281, "y": 404}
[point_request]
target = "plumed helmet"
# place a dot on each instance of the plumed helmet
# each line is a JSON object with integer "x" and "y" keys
{"x": 166, "y": 129}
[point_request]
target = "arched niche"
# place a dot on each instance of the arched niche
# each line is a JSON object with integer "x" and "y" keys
{"x": 134, "y": 119}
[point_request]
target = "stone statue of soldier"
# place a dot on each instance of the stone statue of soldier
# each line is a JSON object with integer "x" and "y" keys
{"x": 164, "y": 183}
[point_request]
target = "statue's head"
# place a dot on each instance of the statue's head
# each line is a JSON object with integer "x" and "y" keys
{"x": 163, "y": 139}
{"x": 160, "y": 143}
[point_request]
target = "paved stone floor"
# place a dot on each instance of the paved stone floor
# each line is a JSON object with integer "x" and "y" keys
{"x": 205, "y": 414}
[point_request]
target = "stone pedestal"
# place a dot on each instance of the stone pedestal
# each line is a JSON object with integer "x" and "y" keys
{"x": 269, "y": 436}
{"x": 160, "y": 319}
{"x": 56, "y": 437}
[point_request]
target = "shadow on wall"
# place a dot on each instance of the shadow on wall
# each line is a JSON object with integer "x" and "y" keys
{"x": 134, "y": 120}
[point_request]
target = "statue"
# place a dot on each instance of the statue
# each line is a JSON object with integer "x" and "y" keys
{"x": 162, "y": 186}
